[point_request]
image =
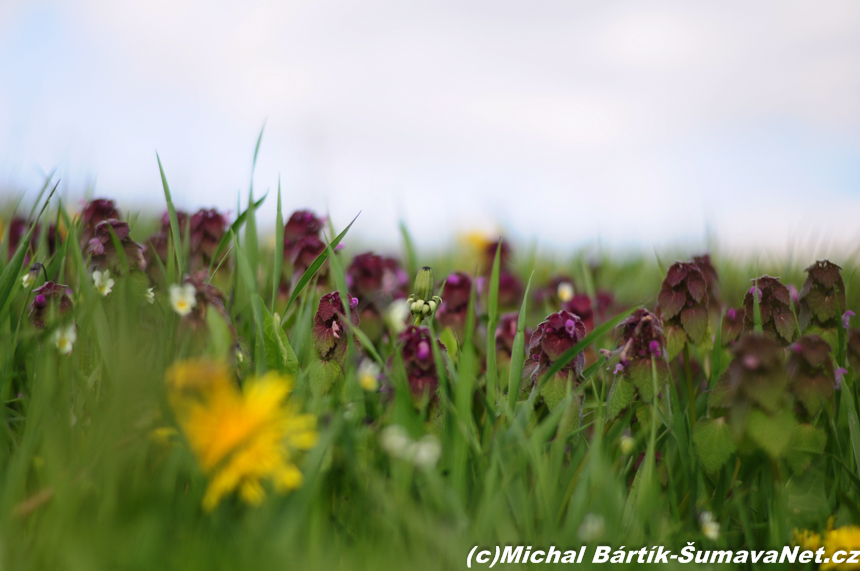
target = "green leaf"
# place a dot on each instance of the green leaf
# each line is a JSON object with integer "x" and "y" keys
{"x": 10, "y": 273}
{"x": 695, "y": 322}
{"x": 316, "y": 265}
{"x": 620, "y": 396}
{"x": 675, "y": 341}
{"x": 714, "y": 443}
{"x": 322, "y": 375}
{"x": 252, "y": 248}
{"x": 279, "y": 353}
{"x": 771, "y": 433}
{"x": 806, "y": 444}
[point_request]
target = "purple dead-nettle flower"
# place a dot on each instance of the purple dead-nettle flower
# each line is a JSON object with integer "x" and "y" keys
{"x": 552, "y": 337}
{"x": 376, "y": 280}
{"x": 95, "y": 212}
{"x": 839, "y": 376}
{"x": 619, "y": 368}
{"x": 330, "y": 328}
{"x": 793, "y": 293}
{"x": 846, "y": 319}
{"x": 506, "y": 331}
{"x": 756, "y": 379}
{"x": 712, "y": 280}
{"x": 416, "y": 348}
{"x": 755, "y": 291}
{"x": 811, "y": 374}
{"x": 822, "y": 298}
{"x": 732, "y": 325}
{"x": 301, "y": 223}
{"x": 303, "y": 253}
{"x": 207, "y": 228}
{"x": 581, "y": 306}
{"x": 455, "y": 302}
{"x": 50, "y": 300}
{"x": 777, "y": 319}
{"x": 102, "y": 250}
{"x": 683, "y": 305}
{"x": 641, "y": 341}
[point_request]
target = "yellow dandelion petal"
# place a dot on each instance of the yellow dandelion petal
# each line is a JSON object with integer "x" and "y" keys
{"x": 847, "y": 539}
{"x": 241, "y": 438}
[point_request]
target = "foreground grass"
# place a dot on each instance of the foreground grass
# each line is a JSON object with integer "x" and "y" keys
{"x": 96, "y": 472}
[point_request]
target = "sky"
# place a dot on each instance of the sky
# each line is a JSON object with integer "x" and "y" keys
{"x": 631, "y": 124}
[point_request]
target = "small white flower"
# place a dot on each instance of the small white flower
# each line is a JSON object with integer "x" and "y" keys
{"x": 28, "y": 279}
{"x": 395, "y": 440}
{"x": 397, "y": 314}
{"x": 368, "y": 373}
{"x": 565, "y": 291}
{"x": 592, "y": 528}
{"x": 103, "y": 282}
{"x": 183, "y": 298}
{"x": 149, "y": 296}
{"x": 426, "y": 452}
{"x": 64, "y": 338}
{"x": 710, "y": 528}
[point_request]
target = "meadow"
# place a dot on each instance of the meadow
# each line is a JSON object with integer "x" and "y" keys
{"x": 185, "y": 393}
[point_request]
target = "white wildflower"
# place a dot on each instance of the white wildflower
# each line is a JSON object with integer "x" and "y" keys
{"x": 368, "y": 375}
{"x": 592, "y": 528}
{"x": 397, "y": 314}
{"x": 710, "y": 528}
{"x": 395, "y": 440}
{"x": 103, "y": 282}
{"x": 565, "y": 291}
{"x": 64, "y": 338}
{"x": 183, "y": 298}
{"x": 426, "y": 452}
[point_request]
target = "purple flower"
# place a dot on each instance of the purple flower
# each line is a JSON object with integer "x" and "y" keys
{"x": 329, "y": 326}
{"x": 49, "y": 294}
{"x": 376, "y": 280}
{"x": 777, "y": 319}
{"x": 552, "y": 337}
{"x": 846, "y": 319}
{"x": 102, "y": 252}
{"x": 822, "y": 296}
{"x": 95, "y": 212}
{"x": 619, "y": 368}
{"x": 839, "y": 375}
{"x": 654, "y": 348}
{"x": 682, "y": 303}
{"x": 455, "y": 302}
{"x": 418, "y": 360}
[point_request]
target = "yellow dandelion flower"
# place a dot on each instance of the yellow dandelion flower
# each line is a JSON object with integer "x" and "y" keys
{"x": 845, "y": 539}
{"x": 240, "y": 438}
{"x": 806, "y": 539}
{"x": 476, "y": 240}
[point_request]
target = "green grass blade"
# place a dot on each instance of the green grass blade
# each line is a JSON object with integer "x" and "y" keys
{"x": 13, "y": 268}
{"x": 278, "y": 262}
{"x": 252, "y": 247}
{"x": 493, "y": 319}
{"x": 314, "y": 267}
{"x": 174, "y": 221}
{"x": 234, "y": 228}
{"x": 518, "y": 352}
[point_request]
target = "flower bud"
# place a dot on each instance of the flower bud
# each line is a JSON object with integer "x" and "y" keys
{"x": 424, "y": 284}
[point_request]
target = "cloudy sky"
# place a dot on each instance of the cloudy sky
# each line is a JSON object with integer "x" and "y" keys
{"x": 632, "y": 123}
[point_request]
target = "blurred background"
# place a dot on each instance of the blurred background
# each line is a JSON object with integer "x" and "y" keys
{"x": 629, "y": 124}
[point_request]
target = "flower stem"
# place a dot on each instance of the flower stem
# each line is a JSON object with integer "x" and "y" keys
{"x": 691, "y": 395}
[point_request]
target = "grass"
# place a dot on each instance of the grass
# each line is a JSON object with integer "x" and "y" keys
{"x": 88, "y": 482}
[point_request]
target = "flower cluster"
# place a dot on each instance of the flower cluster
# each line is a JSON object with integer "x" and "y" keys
{"x": 549, "y": 341}
{"x": 51, "y": 299}
{"x": 683, "y": 305}
{"x": 203, "y": 230}
{"x": 330, "y": 328}
{"x": 102, "y": 249}
{"x": 810, "y": 369}
{"x": 641, "y": 340}
{"x": 302, "y": 243}
{"x": 241, "y": 438}
{"x": 455, "y": 302}
{"x": 94, "y": 213}
{"x": 774, "y": 301}
{"x": 417, "y": 351}
{"x": 822, "y": 298}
